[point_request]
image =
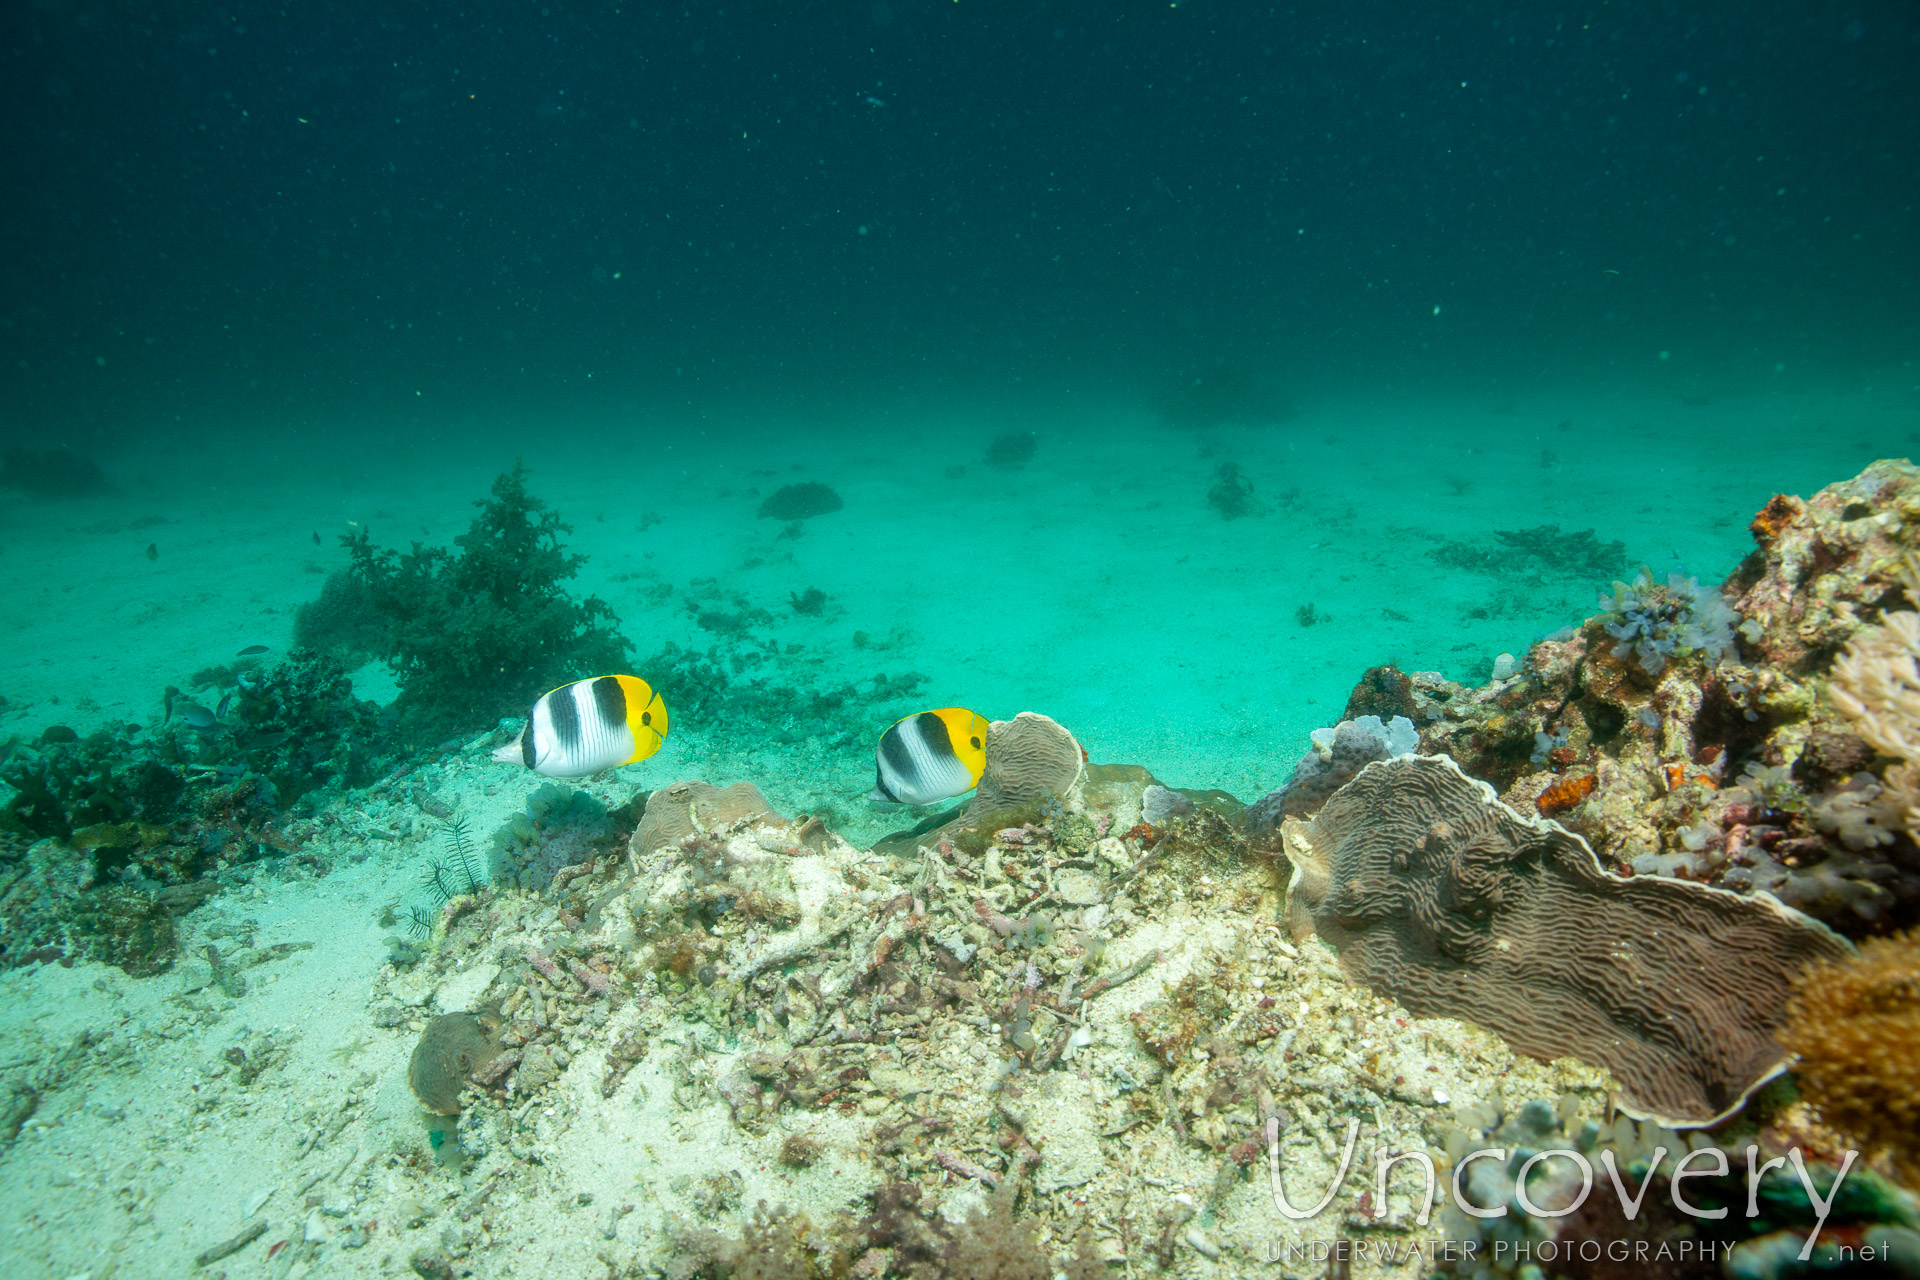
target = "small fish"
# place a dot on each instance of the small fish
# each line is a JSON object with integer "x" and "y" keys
{"x": 316, "y": 537}
{"x": 590, "y": 725}
{"x": 220, "y": 712}
{"x": 197, "y": 716}
{"x": 929, "y": 757}
{"x": 252, "y": 650}
{"x": 153, "y": 551}
{"x": 875, "y": 102}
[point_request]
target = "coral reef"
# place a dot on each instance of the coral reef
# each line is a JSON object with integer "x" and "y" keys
{"x": 1660, "y": 621}
{"x": 1583, "y": 1238}
{"x": 1435, "y": 893}
{"x": 300, "y": 728}
{"x": 800, "y": 501}
{"x": 452, "y": 1048}
{"x": 130, "y": 820}
{"x": 850, "y": 991}
{"x": 676, "y": 811}
{"x": 1755, "y": 754}
{"x": 1854, "y": 1029}
{"x": 1029, "y": 758}
{"x": 65, "y": 783}
{"x": 479, "y": 635}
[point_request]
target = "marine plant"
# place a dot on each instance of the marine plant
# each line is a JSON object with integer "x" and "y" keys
{"x": 1543, "y": 550}
{"x": 479, "y": 634}
{"x": 458, "y": 871}
{"x": 65, "y": 783}
{"x": 1232, "y": 493}
{"x": 301, "y": 728}
{"x": 800, "y": 501}
{"x": 1011, "y": 450}
{"x": 342, "y": 622}
{"x": 136, "y": 819}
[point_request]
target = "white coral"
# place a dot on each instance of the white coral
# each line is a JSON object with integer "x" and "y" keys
{"x": 1876, "y": 684}
{"x": 1862, "y": 814}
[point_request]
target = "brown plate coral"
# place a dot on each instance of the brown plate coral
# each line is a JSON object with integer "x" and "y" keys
{"x": 1440, "y": 896}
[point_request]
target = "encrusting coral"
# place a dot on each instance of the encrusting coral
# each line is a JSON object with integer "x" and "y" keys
{"x": 1436, "y": 894}
{"x": 1854, "y": 1027}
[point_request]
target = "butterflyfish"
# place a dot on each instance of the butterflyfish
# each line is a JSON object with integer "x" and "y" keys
{"x": 933, "y": 756}
{"x": 590, "y": 725}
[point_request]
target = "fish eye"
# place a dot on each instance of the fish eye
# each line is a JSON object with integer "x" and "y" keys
{"x": 975, "y": 742}
{"x": 646, "y": 717}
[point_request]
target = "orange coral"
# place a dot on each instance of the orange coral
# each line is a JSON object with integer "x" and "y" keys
{"x": 1564, "y": 794}
{"x": 1780, "y": 511}
{"x": 1855, "y": 1027}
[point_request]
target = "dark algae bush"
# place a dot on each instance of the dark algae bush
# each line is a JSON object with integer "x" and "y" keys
{"x": 479, "y": 633}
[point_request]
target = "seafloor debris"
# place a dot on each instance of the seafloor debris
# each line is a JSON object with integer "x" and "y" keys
{"x": 1435, "y": 893}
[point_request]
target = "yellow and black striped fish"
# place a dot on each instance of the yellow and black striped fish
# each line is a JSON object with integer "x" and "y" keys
{"x": 590, "y": 725}
{"x": 933, "y": 756}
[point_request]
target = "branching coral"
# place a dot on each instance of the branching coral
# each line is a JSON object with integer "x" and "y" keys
{"x": 1855, "y": 1026}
